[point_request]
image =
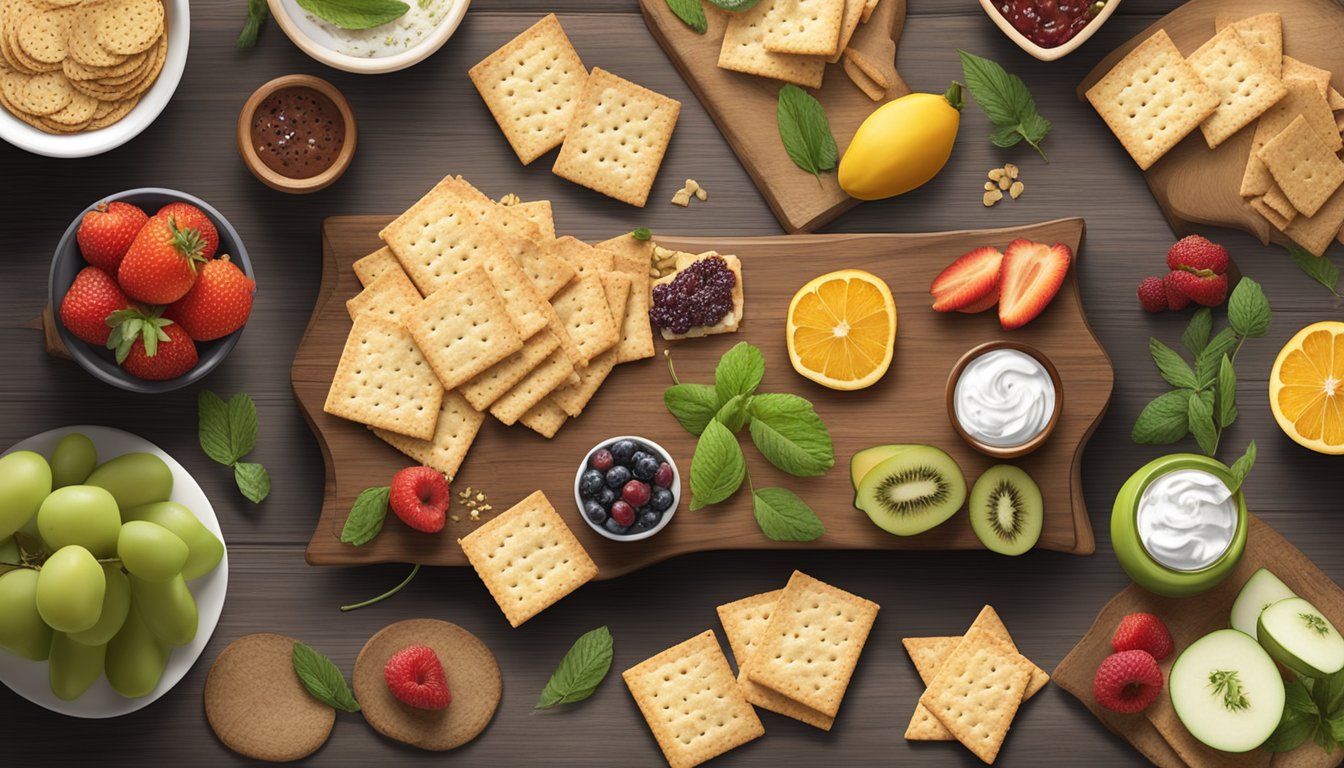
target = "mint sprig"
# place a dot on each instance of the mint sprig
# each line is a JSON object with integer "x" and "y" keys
{"x": 805, "y": 131}
{"x": 1313, "y": 709}
{"x": 691, "y": 14}
{"x": 257, "y": 11}
{"x": 366, "y": 516}
{"x": 322, "y": 678}
{"x": 1007, "y": 103}
{"x": 228, "y": 432}
{"x": 583, "y": 668}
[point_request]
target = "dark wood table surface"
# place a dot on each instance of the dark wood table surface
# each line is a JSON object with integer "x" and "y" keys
{"x": 420, "y": 124}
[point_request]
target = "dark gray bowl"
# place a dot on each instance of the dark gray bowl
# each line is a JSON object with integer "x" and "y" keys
{"x": 67, "y": 262}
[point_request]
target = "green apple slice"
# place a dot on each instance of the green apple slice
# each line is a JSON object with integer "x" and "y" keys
{"x": 1227, "y": 691}
{"x": 1301, "y": 638}
{"x": 1259, "y": 592}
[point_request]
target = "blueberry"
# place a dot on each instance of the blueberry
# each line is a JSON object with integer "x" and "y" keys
{"x": 594, "y": 512}
{"x": 661, "y": 499}
{"x": 649, "y": 517}
{"x": 645, "y": 466}
{"x": 623, "y": 451}
{"x": 614, "y": 527}
{"x": 607, "y": 496}
{"x": 617, "y": 476}
{"x": 590, "y": 482}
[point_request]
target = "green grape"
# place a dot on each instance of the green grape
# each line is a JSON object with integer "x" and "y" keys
{"x": 72, "y": 667}
{"x": 116, "y": 602}
{"x": 22, "y": 632}
{"x": 25, "y": 480}
{"x": 167, "y": 608}
{"x": 204, "y": 547}
{"x": 134, "y": 479}
{"x": 151, "y": 552}
{"x": 135, "y": 658}
{"x": 85, "y": 515}
{"x": 70, "y": 589}
{"x": 9, "y": 553}
{"x": 73, "y": 460}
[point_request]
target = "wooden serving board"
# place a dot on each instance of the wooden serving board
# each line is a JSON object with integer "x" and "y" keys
{"x": 1193, "y": 184}
{"x": 908, "y": 406}
{"x": 744, "y": 106}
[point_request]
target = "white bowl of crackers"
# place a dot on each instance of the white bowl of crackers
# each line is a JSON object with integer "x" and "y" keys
{"x": 79, "y": 77}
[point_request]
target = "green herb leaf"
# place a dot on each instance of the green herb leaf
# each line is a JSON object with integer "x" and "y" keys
{"x": 212, "y": 428}
{"x": 253, "y": 481}
{"x": 1164, "y": 420}
{"x": 582, "y": 669}
{"x": 1208, "y": 362}
{"x": 717, "y": 467}
{"x": 1297, "y": 697}
{"x": 790, "y": 435}
{"x": 366, "y": 516}
{"x": 694, "y": 405}
{"x": 1196, "y": 336}
{"x": 1005, "y": 100}
{"x": 691, "y": 13}
{"x": 733, "y": 414}
{"x": 1241, "y": 468}
{"x": 1293, "y": 731}
{"x": 322, "y": 678}
{"x": 242, "y": 424}
{"x": 1333, "y": 695}
{"x": 805, "y": 131}
{"x": 1200, "y": 415}
{"x": 256, "y": 16}
{"x": 739, "y": 372}
{"x": 1227, "y": 394}
{"x": 1171, "y": 365}
{"x": 785, "y": 517}
{"x": 1318, "y": 268}
{"x": 641, "y": 233}
{"x": 355, "y": 14}
{"x": 1227, "y": 684}
{"x": 1248, "y": 309}
{"x": 736, "y": 6}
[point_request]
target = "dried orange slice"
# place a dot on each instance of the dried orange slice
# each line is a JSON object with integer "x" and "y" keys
{"x": 1306, "y": 387}
{"x": 841, "y": 329}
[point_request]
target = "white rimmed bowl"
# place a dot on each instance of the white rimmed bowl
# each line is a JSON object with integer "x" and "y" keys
{"x": 1041, "y": 52}
{"x": 318, "y": 40}
{"x": 667, "y": 516}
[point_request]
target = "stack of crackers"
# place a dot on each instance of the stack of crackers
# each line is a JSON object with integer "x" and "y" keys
{"x": 611, "y": 132}
{"x": 474, "y": 307}
{"x": 1155, "y": 97}
{"x": 68, "y": 66}
{"x": 975, "y": 684}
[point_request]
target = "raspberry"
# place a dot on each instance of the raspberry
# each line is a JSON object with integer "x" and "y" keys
{"x": 1205, "y": 289}
{"x": 1152, "y": 296}
{"x": 420, "y": 498}
{"x": 415, "y": 676}
{"x": 1127, "y": 681}
{"x": 1196, "y": 253}
{"x": 1176, "y": 299}
{"x": 1143, "y": 632}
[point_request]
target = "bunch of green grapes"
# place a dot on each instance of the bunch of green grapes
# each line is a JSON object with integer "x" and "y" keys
{"x": 94, "y": 565}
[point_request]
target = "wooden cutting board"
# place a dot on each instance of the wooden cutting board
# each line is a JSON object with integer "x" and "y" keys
{"x": 1189, "y": 619}
{"x": 743, "y": 106}
{"x": 1193, "y": 184}
{"x": 908, "y": 405}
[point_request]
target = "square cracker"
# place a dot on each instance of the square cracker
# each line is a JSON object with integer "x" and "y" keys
{"x": 691, "y": 703}
{"x": 574, "y": 397}
{"x": 1277, "y": 200}
{"x": 1303, "y": 165}
{"x": 617, "y": 137}
{"x": 531, "y": 85}
{"x": 1303, "y": 99}
{"x": 1314, "y": 233}
{"x": 545, "y": 418}
{"x": 499, "y": 378}
{"x": 551, "y": 373}
{"x": 929, "y": 653}
{"x": 1270, "y": 214}
{"x": 978, "y": 691}
{"x": 632, "y": 258}
{"x": 538, "y": 212}
{"x": 453, "y": 435}
{"x": 812, "y": 644}
{"x": 389, "y": 297}
{"x": 383, "y": 381}
{"x": 436, "y": 240}
{"x": 584, "y": 258}
{"x": 463, "y": 328}
{"x": 807, "y": 27}
{"x": 371, "y": 267}
{"x": 1152, "y": 99}
{"x": 616, "y": 285}
{"x": 1263, "y": 33}
{"x": 1297, "y": 68}
{"x": 523, "y": 302}
{"x": 743, "y": 49}
{"x": 585, "y": 314}
{"x": 848, "y": 24}
{"x": 528, "y": 558}
{"x": 1245, "y": 87}
{"x": 744, "y": 620}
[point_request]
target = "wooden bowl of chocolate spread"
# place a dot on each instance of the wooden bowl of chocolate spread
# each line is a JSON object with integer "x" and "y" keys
{"x": 297, "y": 134}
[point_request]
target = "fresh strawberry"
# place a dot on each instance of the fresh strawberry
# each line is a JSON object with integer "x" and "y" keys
{"x": 1204, "y": 288}
{"x": 158, "y": 351}
{"x": 969, "y": 280}
{"x": 189, "y": 216}
{"x": 106, "y": 232}
{"x": 1195, "y": 253}
{"x": 1176, "y": 298}
{"x": 415, "y": 676}
{"x": 1032, "y": 275}
{"x": 1152, "y": 296}
{"x": 1143, "y": 632}
{"x": 420, "y": 498}
{"x": 90, "y": 300}
{"x": 983, "y": 304}
{"x": 160, "y": 267}
{"x": 1127, "y": 681}
{"x": 218, "y": 303}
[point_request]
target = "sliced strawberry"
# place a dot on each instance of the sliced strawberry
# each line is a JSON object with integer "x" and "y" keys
{"x": 1032, "y": 275}
{"x": 987, "y": 302}
{"x": 968, "y": 280}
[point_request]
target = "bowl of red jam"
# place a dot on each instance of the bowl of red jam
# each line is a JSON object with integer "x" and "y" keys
{"x": 297, "y": 134}
{"x": 1049, "y": 29}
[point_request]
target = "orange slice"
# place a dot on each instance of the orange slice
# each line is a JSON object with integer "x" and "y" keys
{"x": 1306, "y": 387}
{"x": 841, "y": 329}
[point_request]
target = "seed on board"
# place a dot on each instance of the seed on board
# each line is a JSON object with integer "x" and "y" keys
{"x": 989, "y": 185}
{"x": 995, "y": 174}
{"x": 993, "y": 196}
{"x": 701, "y": 194}
{"x": 1010, "y": 170}
{"x": 510, "y": 199}
{"x": 1015, "y": 191}
{"x": 1004, "y": 182}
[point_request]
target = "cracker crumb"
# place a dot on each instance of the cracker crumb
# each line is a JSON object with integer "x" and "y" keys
{"x": 1010, "y": 170}
{"x": 474, "y": 515}
{"x": 1004, "y": 182}
{"x": 701, "y": 194}
{"x": 995, "y": 174}
{"x": 989, "y": 185}
{"x": 510, "y": 199}
{"x": 691, "y": 188}
{"x": 682, "y": 198}
{"x": 993, "y": 196}
{"x": 1015, "y": 191}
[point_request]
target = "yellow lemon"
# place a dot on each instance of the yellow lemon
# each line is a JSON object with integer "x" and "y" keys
{"x": 841, "y": 329}
{"x": 901, "y": 145}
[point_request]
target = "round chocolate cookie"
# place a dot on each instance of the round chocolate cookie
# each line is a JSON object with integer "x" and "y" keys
{"x": 472, "y": 673}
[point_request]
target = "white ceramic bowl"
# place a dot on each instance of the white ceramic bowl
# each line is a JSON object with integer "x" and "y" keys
{"x": 1059, "y": 51}
{"x": 667, "y": 516}
{"x": 317, "y": 40}
{"x": 177, "y": 17}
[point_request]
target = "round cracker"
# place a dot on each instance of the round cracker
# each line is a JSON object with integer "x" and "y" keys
{"x": 256, "y": 705}
{"x": 130, "y": 26}
{"x": 119, "y": 110}
{"x": 42, "y": 35}
{"x": 82, "y": 43}
{"x": 78, "y": 112}
{"x": 473, "y": 677}
{"x": 76, "y": 70}
{"x": 45, "y": 94}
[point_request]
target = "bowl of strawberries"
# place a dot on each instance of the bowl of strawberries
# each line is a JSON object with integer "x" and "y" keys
{"x": 150, "y": 289}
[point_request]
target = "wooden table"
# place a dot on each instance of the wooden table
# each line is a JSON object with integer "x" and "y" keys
{"x": 422, "y": 123}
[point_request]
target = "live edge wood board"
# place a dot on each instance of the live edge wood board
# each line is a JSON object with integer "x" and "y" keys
{"x": 906, "y": 406}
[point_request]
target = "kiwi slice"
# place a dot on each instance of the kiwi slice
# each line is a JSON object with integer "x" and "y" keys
{"x": 912, "y": 490}
{"x": 1006, "y": 510}
{"x": 861, "y": 463}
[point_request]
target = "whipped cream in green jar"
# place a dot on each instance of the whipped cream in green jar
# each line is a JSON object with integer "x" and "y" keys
{"x": 1187, "y": 519}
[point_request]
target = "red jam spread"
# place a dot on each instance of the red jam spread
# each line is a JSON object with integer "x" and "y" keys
{"x": 298, "y": 132}
{"x": 1049, "y": 23}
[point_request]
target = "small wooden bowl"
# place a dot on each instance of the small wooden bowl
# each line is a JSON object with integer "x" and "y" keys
{"x": 279, "y": 181}
{"x": 1000, "y": 451}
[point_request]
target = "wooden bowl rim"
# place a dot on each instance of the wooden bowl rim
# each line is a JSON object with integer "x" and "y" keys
{"x": 1011, "y": 451}
{"x": 279, "y": 181}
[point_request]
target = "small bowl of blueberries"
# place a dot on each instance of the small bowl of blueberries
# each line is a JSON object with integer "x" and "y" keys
{"x": 627, "y": 488}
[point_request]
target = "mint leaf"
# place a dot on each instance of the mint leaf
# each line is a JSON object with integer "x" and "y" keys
{"x": 1171, "y": 365}
{"x": 1164, "y": 420}
{"x": 739, "y": 372}
{"x": 783, "y": 516}
{"x": 1241, "y": 468}
{"x": 581, "y": 670}
{"x": 366, "y": 517}
{"x": 1006, "y": 101}
{"x": 1318, "y": 268}
{"x": 1331, "y": 699}
{"x": 691, "y": 14}
{"x": 733, "y": 414}
{"x": 1196, "y": 336}
{"x": 1297, "y": 697}
{"x": 322, "y": 678}
{"x": 253, "y": 481}
{"x": 641, "y": 233}
{"x": 256, "y": 16}
{"x": 1199, "y": 412}
{"x": 355, "y": 14}
{"x": 1293, "y": 730}
{"x": 1208, "y": 362}
{"x": 1248, "y": 309}
{"x": 790, "y": 435}
{"x": 1227, "y": 394}
{"x": 242, "y": 425}
{"x": 805, "y": 131}
{"x": 717, "y": 467}
{"x": 694, "y": 405}
{"x": 212, "y": 428}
